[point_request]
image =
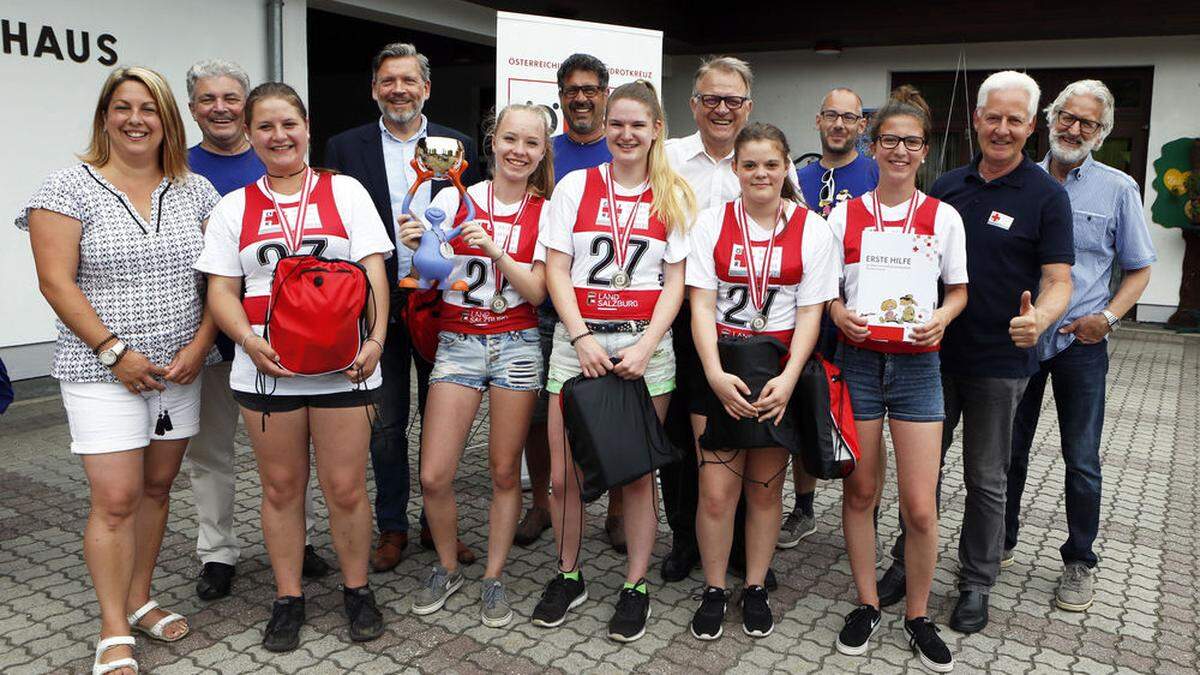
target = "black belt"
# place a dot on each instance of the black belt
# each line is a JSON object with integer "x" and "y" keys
{"x": 616, "y": 326}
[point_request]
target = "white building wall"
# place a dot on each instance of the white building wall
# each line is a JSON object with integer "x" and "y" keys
{"x": 49, "y": 104}
{"x": 789, "y": 86}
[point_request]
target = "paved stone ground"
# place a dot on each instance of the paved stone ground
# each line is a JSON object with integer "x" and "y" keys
{"x": 1143, "y": 620}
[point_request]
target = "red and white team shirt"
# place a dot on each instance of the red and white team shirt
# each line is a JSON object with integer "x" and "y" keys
{"x": 933, "y": 218}
{"x": 803, "y": 267}
{"x": 579, "y": 225}
{"x": 244, "y": 239}
{"x": 516, "y": 231}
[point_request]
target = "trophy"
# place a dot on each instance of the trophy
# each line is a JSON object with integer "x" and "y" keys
{"x": 437, "y": 158}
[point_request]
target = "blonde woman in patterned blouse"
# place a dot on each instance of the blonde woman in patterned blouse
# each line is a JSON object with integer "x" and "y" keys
{"x": 114, "y": 238}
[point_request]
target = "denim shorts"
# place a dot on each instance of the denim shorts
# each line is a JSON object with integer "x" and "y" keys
{"x": 509, "y": 360}
{"x": 564, "y": 361}
{"x": 906, "y": 387}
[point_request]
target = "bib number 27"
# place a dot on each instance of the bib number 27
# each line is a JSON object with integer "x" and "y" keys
{"x": 606, "y": 251}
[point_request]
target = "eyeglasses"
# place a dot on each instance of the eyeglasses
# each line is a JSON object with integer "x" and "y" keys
{"x": 1066, "y": 120}
{"x": 712, "y": 100}
{"x": 588, "y": 91}
{"x": 831, "y": 116}
{"x": 825, "y": 197}
{"x": 890, "y": 141}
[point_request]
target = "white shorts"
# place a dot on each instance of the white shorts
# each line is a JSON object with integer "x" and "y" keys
{"x": 106, "y": 417}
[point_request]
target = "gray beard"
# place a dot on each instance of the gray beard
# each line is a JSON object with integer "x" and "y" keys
{"x": 402, "y": 118}
{"x": 1067, "y": 155}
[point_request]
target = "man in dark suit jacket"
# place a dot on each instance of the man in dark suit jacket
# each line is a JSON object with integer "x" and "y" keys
{"x": 378, "y": 155}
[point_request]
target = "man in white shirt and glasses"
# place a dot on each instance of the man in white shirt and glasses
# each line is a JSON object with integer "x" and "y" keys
{"x": 721, "y": 106}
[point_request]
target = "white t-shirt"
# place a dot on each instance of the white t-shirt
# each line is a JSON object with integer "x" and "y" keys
{"x": 950, "y": 243}
{"x": 469, "y": 311}
{"x": 804, "y": 267}
{"x": 244, "y": 239}
{"x": 578, "y": 225}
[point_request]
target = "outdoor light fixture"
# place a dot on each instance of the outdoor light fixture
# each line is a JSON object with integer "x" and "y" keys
{"x": 827, "y": 48}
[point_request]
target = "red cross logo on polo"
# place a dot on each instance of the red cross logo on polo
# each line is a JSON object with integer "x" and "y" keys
{"x": 1000, "y": 220}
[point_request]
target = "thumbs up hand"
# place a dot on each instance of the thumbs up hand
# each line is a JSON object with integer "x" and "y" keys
{"x": 1023, "y": 328}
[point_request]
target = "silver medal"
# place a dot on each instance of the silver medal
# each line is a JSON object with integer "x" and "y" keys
{"x": 499, "y": 304}
{"x": 758, "y": 323}
{"x": 447, "y": 250}
{"x": 620, "y": 279}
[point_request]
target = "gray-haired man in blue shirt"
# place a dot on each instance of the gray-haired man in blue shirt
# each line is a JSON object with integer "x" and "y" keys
{"x": 1109, "y": 226}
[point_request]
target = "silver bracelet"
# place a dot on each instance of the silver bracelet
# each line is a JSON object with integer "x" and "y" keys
{"x": 249, "y": 335}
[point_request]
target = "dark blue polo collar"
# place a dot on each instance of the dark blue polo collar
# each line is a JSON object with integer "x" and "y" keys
{"x": 1015, "y": 178}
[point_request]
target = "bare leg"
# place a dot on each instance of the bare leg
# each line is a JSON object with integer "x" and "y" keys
{"x": 282, "y": 454}
{"x": 858, "y": 504}
{"x": 454, "y": 407}
{"x": 341, "y": 441}
{"x": 764, "y": 508}
{"x": 720, "y": 489}
{"x": 504, "y": 460}
{"x": 109, "y": 540}
{"x": 565, "y": 496}
{"x": 537, "y": 457}
{"x": 161, "y": 462}
{"x": 918, "y": 454}
{"x": 641, "y": 520}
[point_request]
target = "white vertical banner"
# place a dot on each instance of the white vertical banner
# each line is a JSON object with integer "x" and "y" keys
{"x": 530, "y": 48}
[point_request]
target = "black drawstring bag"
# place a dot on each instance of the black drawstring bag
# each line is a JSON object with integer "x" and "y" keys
{"x": 824, "y": 418}
{"x": 755, "y": 359}
{"x": 615, "y": 435}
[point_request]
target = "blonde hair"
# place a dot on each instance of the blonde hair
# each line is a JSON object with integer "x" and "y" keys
{"x": 541, "y": 181}
{"x": 172, "y": 154}
{"x": 674, "y": 203}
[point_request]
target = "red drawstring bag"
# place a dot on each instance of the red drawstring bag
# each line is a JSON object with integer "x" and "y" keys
{"x": 422, "y": 315}
{"x": 821, "y": 408}
{"x": 315, "y": 316}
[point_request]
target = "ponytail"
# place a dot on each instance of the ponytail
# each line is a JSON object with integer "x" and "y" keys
{"x": 907, "y": 101}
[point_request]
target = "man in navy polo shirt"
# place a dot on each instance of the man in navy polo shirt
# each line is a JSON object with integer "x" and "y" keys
{"x": 1110, "y": 226}
{"x": 1019, "y": 255}
{"x": 582, "y": 97}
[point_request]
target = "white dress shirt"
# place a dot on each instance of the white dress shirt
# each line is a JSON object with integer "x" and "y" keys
{"x": 397, "y": 161}
{"x": 712, "y": 180}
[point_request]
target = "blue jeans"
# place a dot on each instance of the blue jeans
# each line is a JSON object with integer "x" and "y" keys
{"x": 389, "y": 436}
{"x": 1078, "y": 375}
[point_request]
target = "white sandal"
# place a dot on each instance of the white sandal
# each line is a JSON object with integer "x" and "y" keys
{"x": 156, "y": 631}
{"x": 104, "y": 645}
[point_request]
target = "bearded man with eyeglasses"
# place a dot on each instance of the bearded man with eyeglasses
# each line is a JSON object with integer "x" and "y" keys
{"x": 843, "y": 173}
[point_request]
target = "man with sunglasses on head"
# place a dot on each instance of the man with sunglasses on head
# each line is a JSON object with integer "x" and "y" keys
{"x": 842, "y": 174}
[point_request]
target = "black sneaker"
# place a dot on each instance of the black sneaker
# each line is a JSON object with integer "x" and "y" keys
{"x": 561, "y": 595}
{"x": 215, "y": 581}
{"x": 861, "y": 624}
{"x": 756, "y": 612}
{"x": 315, "y": 566}
{"x": 706, "y": 622}
{"x": 283, "y": 630}
{"x": 924, "y": 640}
{"x": 366, "y": 621}
{"x": 628, "y": 621}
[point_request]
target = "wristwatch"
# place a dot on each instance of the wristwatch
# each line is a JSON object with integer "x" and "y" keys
{"x": 1112, "y": 319}
{"x": 110, "y": 356}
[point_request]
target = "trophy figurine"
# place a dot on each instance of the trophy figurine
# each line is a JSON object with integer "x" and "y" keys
{"x": 438, "y": 158}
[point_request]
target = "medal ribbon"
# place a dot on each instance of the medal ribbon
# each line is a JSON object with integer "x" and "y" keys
{"x": 908, "y": 217}
{"x": 757, "y": 283}
{"x": 491, "y": 216}
{"x": 292, "y": 236}
{"x": 621, "y": 235}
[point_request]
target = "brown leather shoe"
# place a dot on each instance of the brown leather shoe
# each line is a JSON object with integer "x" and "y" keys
{"x": 465, "y": 555}
{"x": 389, "y": 551}
{"x": 535, "y": 522}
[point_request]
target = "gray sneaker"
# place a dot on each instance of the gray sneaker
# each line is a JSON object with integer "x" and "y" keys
{"x": 437, "y": 588}
{"x": 796, "y": 527}
{"x": 494, "y": 608}
{"x": 1075, "y": 592}
{"x": 1008, "y": 559}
